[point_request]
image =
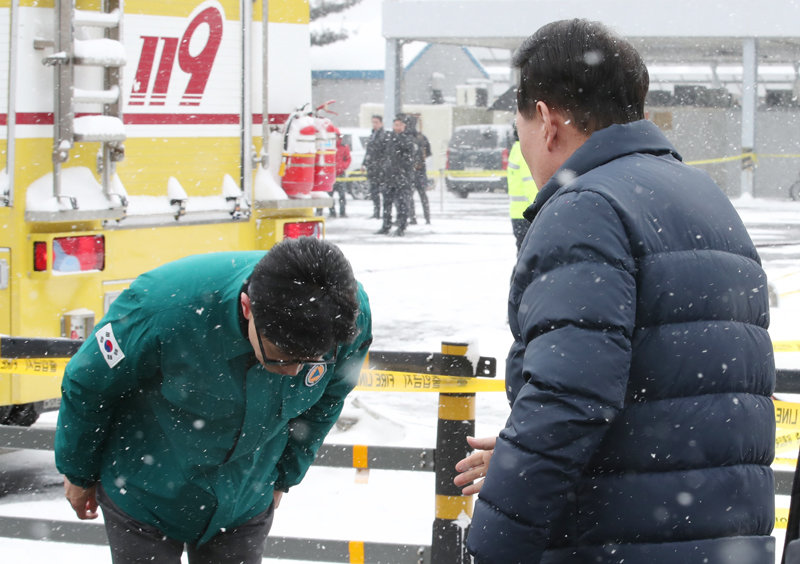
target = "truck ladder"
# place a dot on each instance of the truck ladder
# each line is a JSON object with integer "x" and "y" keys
{"x": 75, "y": 46}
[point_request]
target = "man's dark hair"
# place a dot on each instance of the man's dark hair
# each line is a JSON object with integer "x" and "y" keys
{"x": 583, "y": 69}
{"x": 304, "y": 297}
{"x": 378, "y": 117}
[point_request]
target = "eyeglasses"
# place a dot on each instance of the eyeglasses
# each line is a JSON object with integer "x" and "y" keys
{"x": 294, "y": 361}
{"x": 266, "y": 361}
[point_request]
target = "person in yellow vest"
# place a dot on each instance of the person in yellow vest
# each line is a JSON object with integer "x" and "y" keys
{"x": 522, "y": 191}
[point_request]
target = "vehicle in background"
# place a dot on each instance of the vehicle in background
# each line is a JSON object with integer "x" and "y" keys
{"x": 477, "y": 158}
{"x": 356, "y": 138}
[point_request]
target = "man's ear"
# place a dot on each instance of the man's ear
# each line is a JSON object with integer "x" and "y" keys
{"x": 550, "y": 124}
{"x": 244, "y": 299}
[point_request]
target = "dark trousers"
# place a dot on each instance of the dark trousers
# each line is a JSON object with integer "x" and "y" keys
{"x": 396, "y": 194}
{"x": 133, "y": 542}
{"x": 421, "y": 185}
{"x": 338, "y": 187}
{"x": 375, "y": 190}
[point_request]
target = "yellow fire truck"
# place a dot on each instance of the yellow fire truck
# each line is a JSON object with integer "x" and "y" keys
{"x": 133, "y": 135}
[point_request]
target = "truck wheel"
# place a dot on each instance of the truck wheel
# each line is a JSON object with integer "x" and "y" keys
{"x": 5, "y": 410}
{"x": 23, "y": 415}
{"x": 359, "y": 190}
{"x": 462, "y": 193}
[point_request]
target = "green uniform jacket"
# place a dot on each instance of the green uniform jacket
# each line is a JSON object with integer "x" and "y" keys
{"x": 521, "y": 187}
{"x": 172, "y": 413}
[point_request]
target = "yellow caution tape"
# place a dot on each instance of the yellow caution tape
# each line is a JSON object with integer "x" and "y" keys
{"x": 778, "y": 156}
{"x": 741, "y": 157}
{"x": 781, "y": 517}
{"x": 787, "y": 442}
{"x": 474, "y": 173}
{"x": 393, "y": 381}
{"x": 786, "y": 346}
{"x": 787, "y": 415}
{"x": 744, "y": 156}
{"x": 33, "y": 366}
{"x": 785, "y": 462}
{"x": 351, "y": 179}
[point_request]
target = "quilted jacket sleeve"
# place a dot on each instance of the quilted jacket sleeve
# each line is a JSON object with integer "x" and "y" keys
{"x": 572, "y": 311}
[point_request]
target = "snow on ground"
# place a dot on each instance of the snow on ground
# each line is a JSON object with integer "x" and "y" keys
{"x": 442, "y": 282}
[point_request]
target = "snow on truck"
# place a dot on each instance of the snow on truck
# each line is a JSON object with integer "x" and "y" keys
{"x": 137, "y": 134}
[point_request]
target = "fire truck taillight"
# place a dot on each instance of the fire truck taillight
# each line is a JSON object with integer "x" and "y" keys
{"x": 39, "y": 256}
{"x": 78, "y": 254}
{"x": 302, "y": 229}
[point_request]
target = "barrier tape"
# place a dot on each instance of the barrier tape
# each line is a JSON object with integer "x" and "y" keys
{"x": 781, "y": 517}
{"x": 474, "y": 173}
{"x": 744, "y": 156}
{"x": 394, "y": 381}
{"x": 787, "y": 415}
{"x": 787, "y": 442}
{"x": 33, "y": 366}
{"x": 786, "y": 346}
{"x": 741, "y": 157}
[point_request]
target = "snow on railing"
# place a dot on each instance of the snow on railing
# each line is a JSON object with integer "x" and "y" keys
{"x": 96, "y": 19}
{"x": 101, "y": 52}
{"x": 99, "y": 128}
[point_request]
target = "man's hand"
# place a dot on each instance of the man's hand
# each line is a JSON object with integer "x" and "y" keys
{"x": 276, "y": 498}
{"x": 82, "y": 500}
{"x": 475, "y": 465}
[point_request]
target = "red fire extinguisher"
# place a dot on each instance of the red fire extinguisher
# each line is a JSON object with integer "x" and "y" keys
{"x": 299, "y": 154}
{"x": 325, "y": 169}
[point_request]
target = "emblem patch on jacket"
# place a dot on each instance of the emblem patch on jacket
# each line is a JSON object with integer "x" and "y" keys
{"x": 315, "y": 374}
{"x": 109, "y": 346}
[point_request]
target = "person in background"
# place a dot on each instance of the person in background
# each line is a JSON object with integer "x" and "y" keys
{"x": 640, "y": 378}
{"x": 521, "y": 190}
{"x": 343, "y": 160}
{"x": 203, "y": 396}
{"x": 400, "y": 150}
{"x": 420, "y": 174}
{"x": 375, "y": 164}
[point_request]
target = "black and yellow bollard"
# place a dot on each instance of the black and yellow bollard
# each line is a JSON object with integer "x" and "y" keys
{"x": 453, "y": 510}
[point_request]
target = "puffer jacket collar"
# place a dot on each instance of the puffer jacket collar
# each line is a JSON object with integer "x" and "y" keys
{"x": 603, "y": 146}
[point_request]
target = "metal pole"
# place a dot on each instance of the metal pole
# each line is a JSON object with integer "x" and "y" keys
{"x": 453, "y": 510}
{"x": 392, "y": 81}
{"x": 13, "y": 41}
{"x": 264, "y": 84}
{"x": 749, "y": 102}
{"x": 246, "y": 179}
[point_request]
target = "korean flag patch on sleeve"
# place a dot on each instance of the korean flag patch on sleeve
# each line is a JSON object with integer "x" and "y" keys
{"x": 109, "y": 347}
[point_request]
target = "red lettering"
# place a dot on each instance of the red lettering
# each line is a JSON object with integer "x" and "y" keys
{"x": 142, "y": 78}
{"x": 164, "y": 73}
{"x": 199, "y": 66}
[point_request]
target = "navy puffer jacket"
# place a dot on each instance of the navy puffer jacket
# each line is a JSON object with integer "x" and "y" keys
{"x": 641, "y": 428}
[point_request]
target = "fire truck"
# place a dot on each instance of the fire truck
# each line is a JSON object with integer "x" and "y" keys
{"x": 133, "y": 135}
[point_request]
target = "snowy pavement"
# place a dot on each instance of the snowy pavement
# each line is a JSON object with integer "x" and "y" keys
{"x": 441, "y": 282}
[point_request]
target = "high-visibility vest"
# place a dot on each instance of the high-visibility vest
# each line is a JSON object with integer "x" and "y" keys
{"x": 521, "y": 188}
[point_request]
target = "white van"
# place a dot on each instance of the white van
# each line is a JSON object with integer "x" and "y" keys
{"x": 356, "y": 138}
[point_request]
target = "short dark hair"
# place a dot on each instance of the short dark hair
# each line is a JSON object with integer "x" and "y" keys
{"x": 304, "y": 297}
{"x": 378, "y": 117}
{"x": 583, "y": 69}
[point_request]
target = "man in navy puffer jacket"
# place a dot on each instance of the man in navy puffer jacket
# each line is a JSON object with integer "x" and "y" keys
{"x": 641, "y": 427}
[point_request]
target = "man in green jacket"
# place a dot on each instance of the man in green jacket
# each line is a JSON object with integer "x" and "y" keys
{"x": 205, "y": 393}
